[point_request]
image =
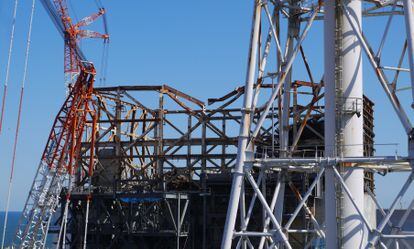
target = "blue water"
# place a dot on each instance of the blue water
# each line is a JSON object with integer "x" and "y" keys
{"x": 13, "y": 221}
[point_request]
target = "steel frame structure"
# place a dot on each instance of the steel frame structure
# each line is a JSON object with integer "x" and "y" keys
{"x": 163, "y": 142}
{"x": 277, "y": 232}
{"x": 152, "y": 142}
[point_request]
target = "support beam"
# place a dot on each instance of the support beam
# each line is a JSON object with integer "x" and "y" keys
{"x": 409, "y": 25}
{"x": 244, "y": 132}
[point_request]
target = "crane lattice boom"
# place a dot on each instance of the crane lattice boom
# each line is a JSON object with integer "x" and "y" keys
{"x": 59, "y": 158}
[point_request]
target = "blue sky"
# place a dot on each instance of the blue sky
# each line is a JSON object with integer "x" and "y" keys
{"x": 199, "y": 47}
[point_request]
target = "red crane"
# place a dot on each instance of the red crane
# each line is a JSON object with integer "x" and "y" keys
{"x": 72, "y": 35}
{"x": 59, "y": 160}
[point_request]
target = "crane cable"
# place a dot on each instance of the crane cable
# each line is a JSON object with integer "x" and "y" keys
{"x": 105, "y": 48}
{"x": 26, "y": 62}
{"x": 104, "y": 62}
{"x": 98, "y": 3}
{"x": 6, "y": 82}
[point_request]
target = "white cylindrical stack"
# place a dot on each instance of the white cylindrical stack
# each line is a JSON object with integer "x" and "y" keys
{"x": 343, "y": 124}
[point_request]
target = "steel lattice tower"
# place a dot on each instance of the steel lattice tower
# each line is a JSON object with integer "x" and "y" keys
{"x": 338, "y": 172}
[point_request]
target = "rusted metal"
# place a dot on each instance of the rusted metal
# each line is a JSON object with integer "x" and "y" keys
{"x": 170, "y": 142}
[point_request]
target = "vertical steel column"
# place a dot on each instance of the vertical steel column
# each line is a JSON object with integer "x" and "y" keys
{"x": 223, "y": 147}
{"x": 144, "y": 127}
{"x": 293, "y": 33}
{"x": 409, "y": 25}
{"x": 178, "y": 220}
{"x": 330, "y": 124}
{"x": 204, "y": 176}
{"x": 343, "y": 122}
{"x": 295, "y": 110}
{"x": 118, "y": 151}
{"x": 238, "y": 175}
{"x": 189, "y": 124}
{"x": 284, "y": 123}
{"x": 160, "y": 128}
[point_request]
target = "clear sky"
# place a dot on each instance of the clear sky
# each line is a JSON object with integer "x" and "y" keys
{"x": 199, "y": 47}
